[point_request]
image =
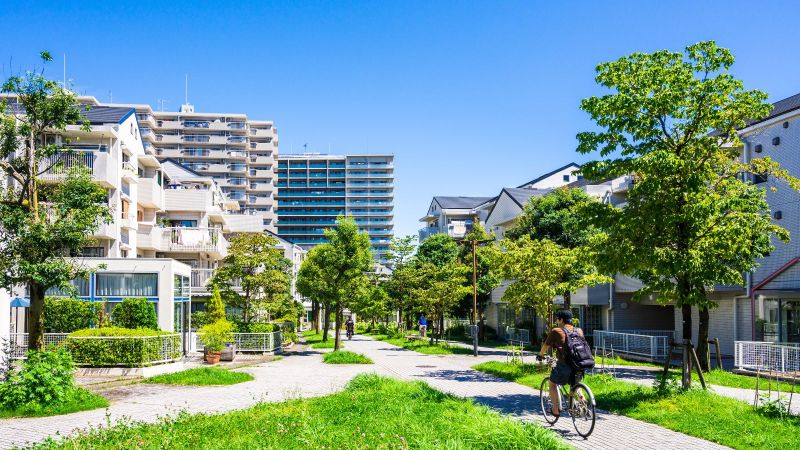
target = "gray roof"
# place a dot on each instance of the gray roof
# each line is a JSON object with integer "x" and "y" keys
{"x": 521, "y": 196}
{"x": 548, "y": 174}
{"x": 780, "y": 107}
{"x": 96, "y": 115}
{"x": 460, "y": 202}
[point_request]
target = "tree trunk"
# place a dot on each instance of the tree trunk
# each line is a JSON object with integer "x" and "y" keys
{"x": 36, "y": 317}
{"x": 315, "y": 315}
{"x": 326, "y": 323}
{"x": 702, "y": 339}
{"x": 686, "y": 311}
{"x": 567, "y": 300}
{"x": 338, "y": 326}
{"x": 399, "y": 317}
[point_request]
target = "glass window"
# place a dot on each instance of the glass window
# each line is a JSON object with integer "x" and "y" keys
{"x": 181, "y": 288}
{"x": 127, "y": 285}
{"x": 566, "y": 177}
{"x": 81, "y": 284}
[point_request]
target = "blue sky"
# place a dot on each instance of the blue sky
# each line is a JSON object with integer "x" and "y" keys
{"x": 468, "y": 96}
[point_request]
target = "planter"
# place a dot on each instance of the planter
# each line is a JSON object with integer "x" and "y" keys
{"x": 213, "y": 357}
{"x": 229, "y": 353}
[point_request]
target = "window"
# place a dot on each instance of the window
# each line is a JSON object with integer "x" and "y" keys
{"x": 92, "y": 252}
{"x": 81, "y": 284}
{"x": 759, "y": 178}
{"x": 181, "y": 286}
{"x": 127, "y": 285}
{"x": 566, "y": 177}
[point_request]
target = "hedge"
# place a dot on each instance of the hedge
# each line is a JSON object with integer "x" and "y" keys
{"x": 134, "y": 313}
{"x": 65, "y": 314}
{"x": 99, "y": 347}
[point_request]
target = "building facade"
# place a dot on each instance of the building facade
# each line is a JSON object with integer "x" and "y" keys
{"x": 314, "y": 189}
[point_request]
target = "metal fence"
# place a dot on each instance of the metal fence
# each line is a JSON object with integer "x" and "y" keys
{"x": 654, "y": 348}
{"x": 18, "y": 343}
{"x": 251, "y": 342}
{"x": 767, "y": 356}
{"x": 518, "y": 336}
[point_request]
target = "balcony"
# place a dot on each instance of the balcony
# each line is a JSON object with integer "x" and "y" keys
{"x": 193, "y": 240}
{"x": 106, "y": 231}
{"x": 169, "y": 152}
{"x": 237, "y": 155}
{"x": 103, "y": 166}
{"x": 151, "y": 194}
{"x": 169, "y": 138}
{"x": 189, "y": 200}
{"x": 148, "y": 237}
{"x": 129, "y": 171}
{"x": 128, "y": 220}
{"x": 243, "y": 223}
{"x": 256, "y": 200}
{"x": 261, "y": 160}
{"x": 258, "y": 173}
{"x": 261, "y": 146}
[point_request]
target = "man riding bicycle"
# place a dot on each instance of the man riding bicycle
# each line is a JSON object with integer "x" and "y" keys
{"x": 562, "y": 373}
{"x": 349, "y": 326}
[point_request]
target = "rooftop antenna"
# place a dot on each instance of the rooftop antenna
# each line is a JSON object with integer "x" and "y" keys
{"x": 305, "y": 148}
{"x": 161, "y": 102}
{"x": 187, "y": 88}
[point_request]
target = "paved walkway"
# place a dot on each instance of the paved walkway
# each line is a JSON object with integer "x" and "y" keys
{"x": 304, "y": 375}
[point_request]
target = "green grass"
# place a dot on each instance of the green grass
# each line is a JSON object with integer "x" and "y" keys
{"x": 345, "y": 357}
{"x": 698, "y": 413}
{"x": 315, "y": 340}
{"x": 202, "y": 376}
{"x": 735, "y": 380}
{"x": 617, "y": 361}
{"x": 424, "y": 346}
{"x": 79, "y": 400}
{"x": 372, "y": 412}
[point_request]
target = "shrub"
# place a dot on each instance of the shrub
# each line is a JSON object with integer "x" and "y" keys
{"x": 135, "y": 313}
{"x": 215, "y": 307}
{"x": 216, "y": 335}
{"x": 45, "y": 379}
{"x": 129, "y": 348}
{"x": 65, "y": 315}
{"x": 199, "y": 319}
{"x": 289, "y": 336}
{"x": 287, "y": 322}
{"x": 264, "y": 328}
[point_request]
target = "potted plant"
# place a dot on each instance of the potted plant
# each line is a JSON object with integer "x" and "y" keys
{"x": 215, "y": 336}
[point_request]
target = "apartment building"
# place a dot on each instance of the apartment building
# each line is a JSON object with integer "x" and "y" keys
{"x": 454, "y": 216}
{"x": 234, "y": 150}
{"x": 314, "y": 189}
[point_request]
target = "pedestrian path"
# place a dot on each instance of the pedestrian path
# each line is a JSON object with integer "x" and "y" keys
{"x": 452, "y": 374}
{"x": 303, "y": 374}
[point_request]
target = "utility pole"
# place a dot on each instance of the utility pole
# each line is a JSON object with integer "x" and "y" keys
{"x": 474, "y": 299}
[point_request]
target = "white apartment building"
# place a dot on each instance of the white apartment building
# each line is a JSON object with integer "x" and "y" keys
{"x": 237, "y": 152}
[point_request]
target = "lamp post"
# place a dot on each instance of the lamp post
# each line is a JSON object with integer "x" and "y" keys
{"x": 475, "y": 243}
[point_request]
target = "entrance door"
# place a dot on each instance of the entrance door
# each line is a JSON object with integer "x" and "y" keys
{"x": 791, "y": 321}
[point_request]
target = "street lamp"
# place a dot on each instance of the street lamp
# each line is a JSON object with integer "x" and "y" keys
{"x": 474, "y": 326}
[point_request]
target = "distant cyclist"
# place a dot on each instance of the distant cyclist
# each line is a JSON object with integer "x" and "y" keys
{"x": 423, "y": 325}
{"x": 562, "y": 373}
{"x": 349, "y": 326}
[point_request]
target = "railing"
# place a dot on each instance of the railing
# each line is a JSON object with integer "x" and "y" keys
{"x": 127, "y": 165}
{"x": 18, "y": 343}
{"x": 251, "y": 342}
{"x": 654, "y": 348}
{"x": 63, "y": 162}
{"x": 518, "y": 336}
{"x": 193, "y": 239}
{"x": 767, "y": 356}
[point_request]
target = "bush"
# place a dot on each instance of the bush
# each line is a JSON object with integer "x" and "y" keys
{"x": 200, "y": 319}
{"x": 45, "y": 379}
{"x": 253, "y": 327}
{"x": 65, "y": 315}
{"x": 127, "y": 349}
{"x": 289, "y": 336}
{"x": 135, "y": 313}
{"x": 216, "y": 335}
{"x": 288, "y": 323}
{"x": 215, "y": 307}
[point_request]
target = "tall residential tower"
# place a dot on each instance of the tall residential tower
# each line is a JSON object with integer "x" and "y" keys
{"x": 313, "y": 189}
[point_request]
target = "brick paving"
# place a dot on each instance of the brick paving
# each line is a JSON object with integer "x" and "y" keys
{"x": 304, "y": 375}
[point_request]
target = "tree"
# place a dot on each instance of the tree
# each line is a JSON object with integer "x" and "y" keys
{"x": 692, "y": 222}
{"x": 540, "y": 270}
{"x": 41, "y": 223}
{"x": 336, "y": 272}
{"x": 255, "y": 276}
{"x": 215, "y": 307}
{"x": 559, "y": 216}
{"x": 400, "y": 283}
{"x": 440, "y": 288}
{"x": 439, "y": 249}
{"x": 372, "y": 305}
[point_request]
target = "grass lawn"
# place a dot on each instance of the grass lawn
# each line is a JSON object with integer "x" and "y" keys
{"x": 617, "y": 361}
{"x": 424, "y": 346}
{"x": 79, "y": 400}
{"x": 315, "y": 339}
{"x": 703, "y": 414}
{"x": 202, "y": 376}
{"x": 345, "y": 357}
{"x": 372, "y": 412}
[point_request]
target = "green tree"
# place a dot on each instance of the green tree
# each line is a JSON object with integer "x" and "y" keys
{"x": 540, "y": 270}
{"x": 255, "y": 276}
{"x": 692, "y": 222}
{"x": 400, "y": 283}
{"x": 439, "y": 249}
{"x": 335, "y": 273}
{"x": 40, "y": 223}
{"x": 440, "y": 288}
{"x": 372, "y": 304}
{"x": 215, "y": 307}
{"x": 561, "y": 217}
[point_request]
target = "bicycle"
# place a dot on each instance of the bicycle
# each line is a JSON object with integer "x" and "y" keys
{"x": 580, "y": 406}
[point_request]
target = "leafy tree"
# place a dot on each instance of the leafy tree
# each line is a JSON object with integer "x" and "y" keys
{"x": 335, "y": 273}
{"x": 439, "y": 249}
{"x": 439, "y": 289}
{"x": 215, "y": 308}
{"x": 692, "y": 221}
{"x": 260, "y": 270}
{"x": 561, "y": 217}
{"x": 40, "y": 223}
{"x": 541, "y": 270}
{"x": 372, "y": 305}
{"x": 400, "y": 283}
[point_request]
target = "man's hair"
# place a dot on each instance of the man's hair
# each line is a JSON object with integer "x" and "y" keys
{"x": 565, "y": 315}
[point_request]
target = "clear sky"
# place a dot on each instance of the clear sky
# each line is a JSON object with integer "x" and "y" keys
{"x": 468, "y": 96}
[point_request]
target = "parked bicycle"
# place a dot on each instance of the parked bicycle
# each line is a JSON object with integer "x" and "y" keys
{"x": 577, "y": 400}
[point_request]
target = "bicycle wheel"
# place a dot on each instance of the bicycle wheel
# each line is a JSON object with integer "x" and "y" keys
{"x": 546, "y": 403}
{"x": 582, "y": 409}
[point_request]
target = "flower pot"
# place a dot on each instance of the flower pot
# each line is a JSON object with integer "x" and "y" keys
{"x": 213, "y": 357}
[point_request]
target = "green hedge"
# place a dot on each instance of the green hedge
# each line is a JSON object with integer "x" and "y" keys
{"x": 65, "y": 315}
{"x": 135, "y": 313}
{"x": 123, "y": 347}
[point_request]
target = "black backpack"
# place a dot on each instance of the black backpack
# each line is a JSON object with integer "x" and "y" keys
{"x": 577, "y": 352}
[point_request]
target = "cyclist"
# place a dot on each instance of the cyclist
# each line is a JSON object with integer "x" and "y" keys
{"x": 562, "y": 373}
{"x": 423, "y": 325}
{"x": 349, "y": 325}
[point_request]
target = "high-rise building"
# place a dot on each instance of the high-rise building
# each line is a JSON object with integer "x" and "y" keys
{"x": 313, "y": 189}
{"x": 235, "y": 151}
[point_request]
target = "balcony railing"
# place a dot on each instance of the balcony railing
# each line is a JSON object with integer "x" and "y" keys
{"x": 193, "y": 239}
